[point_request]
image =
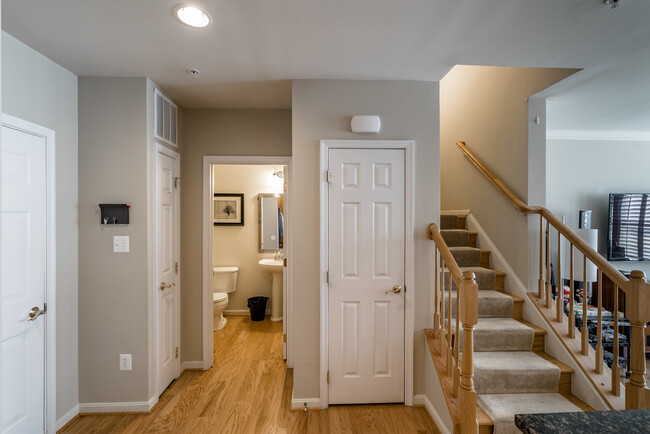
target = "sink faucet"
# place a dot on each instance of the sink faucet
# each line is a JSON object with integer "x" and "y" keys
{"x": 279, "y": 255}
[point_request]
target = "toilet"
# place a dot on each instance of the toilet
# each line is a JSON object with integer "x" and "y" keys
{"x": 224, "y": 281}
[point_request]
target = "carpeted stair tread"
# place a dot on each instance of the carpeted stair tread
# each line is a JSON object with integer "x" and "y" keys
{"x": 501, "y": 334}
{"x": 514, "y": 372}
{"x": 491, "y": 304}
{"x": 455, "y": 237}
{"x": 466, "y": 256}
{"x": 501, "y": 408}
{"x": 448, "y": 221}
{"x": 485, "y": 278}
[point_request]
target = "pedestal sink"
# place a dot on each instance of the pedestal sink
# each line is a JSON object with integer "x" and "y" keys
{"x": 275, "y": 267}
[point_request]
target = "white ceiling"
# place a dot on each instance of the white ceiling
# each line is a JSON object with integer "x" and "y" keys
{"x": 255, "y": 47}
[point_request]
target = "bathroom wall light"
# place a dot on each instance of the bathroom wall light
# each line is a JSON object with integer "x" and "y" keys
{"x": 279, "y": 173}
{"x": 192, "y": 16}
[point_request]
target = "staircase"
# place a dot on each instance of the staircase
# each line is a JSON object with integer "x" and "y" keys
{"x": 512, "y": 374}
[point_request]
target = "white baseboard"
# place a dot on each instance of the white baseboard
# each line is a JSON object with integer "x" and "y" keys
{"x": 424, "y": 400}
{"x": 300, "y": 402}
{"x": 117, "y": 407}
{"x": 60, "y": 423}
{"x": 243, "y": 311}
{"x": 191, "y": 364}
{"x": 236, "y": 312}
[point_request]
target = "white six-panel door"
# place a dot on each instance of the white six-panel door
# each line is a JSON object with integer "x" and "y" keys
{"x": 24, "y": 279}
{"x": 366, "y": 265}
{"x": 167, "y": 300}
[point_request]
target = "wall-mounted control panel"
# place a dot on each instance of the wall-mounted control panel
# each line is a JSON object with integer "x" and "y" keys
{"x": 121, "y": 244}
{"x": 114, "y": 213}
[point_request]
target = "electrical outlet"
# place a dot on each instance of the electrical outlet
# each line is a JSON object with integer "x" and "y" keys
{"x": 121, "y": 244}
{"x": 125, "y": 362}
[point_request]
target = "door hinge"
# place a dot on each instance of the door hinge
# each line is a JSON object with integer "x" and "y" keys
{"x": 177, "y": 182}
{"x": 177, "y": 352}
{"x": 285, "y": 262}
{"x": 404, "y": 289}
{"x": 176, "y": 267}
{"x": 328, "y": 377}
{"x": 328, "y": 176}
{"x": 284, "y": 337}
{"x": 328, "y": 276}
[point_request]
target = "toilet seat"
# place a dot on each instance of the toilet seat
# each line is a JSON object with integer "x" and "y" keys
{"x": 219, "y": 296}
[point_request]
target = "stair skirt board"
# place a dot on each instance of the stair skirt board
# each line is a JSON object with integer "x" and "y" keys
{"x": 500, "y": 334}
{"x": 501, "y": 408}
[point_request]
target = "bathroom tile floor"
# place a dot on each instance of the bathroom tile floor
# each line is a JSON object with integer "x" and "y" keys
{"x": 248, "y": 390}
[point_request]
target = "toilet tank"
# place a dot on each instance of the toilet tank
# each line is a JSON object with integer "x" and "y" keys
{"x": 224, "y": 279}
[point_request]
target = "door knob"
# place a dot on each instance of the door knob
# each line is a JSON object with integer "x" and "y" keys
{"x": 396, "y": 289}
{"x": 35, "y": 312}
{"x": 164, "y": 285}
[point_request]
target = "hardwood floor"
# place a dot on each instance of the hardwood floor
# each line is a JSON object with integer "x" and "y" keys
{"x": 248, "y": 390}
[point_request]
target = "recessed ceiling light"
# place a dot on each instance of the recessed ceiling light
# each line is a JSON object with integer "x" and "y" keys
{"x": 192, "y": 16}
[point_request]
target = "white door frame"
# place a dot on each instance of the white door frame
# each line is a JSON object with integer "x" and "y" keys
{"x": 158, "y": 147}
{"x": 208, "y": 193}
{"x": 50, "y": 293}
{"x": 409, "y": 237}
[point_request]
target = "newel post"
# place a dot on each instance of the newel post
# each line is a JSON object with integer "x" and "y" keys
{"x": 469, "y": 317}
{"x": 637, "y": 309}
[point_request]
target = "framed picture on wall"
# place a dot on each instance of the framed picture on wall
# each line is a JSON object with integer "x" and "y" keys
{"x": 228, "y": 209}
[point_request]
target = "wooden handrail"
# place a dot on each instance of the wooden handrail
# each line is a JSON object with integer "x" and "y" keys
{"x": 600, "y": 262}
{"x": 636, "y": 289}
{"x": 434, "y": 234}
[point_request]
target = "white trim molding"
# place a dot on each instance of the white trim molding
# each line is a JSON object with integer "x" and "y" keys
{"x": 304, "y": 402}
{"x": 424, "y": 401}
{"x": 50, "y": 271}
{"x": 63, "y": 420}
{"x": 118, "y": 407}
{"x": 191, "y": 364}
{"x": 599, "y": 135}
{"x": 208, "y": 187}
{"x": 409, "y": 257}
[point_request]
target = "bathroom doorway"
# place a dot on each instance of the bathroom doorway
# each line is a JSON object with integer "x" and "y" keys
{"x": 247, "y": 224}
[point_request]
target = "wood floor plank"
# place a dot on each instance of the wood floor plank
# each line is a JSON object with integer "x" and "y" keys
{"x": 248, "y": 391}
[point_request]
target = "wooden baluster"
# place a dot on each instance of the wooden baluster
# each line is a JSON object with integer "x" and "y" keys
{"x": 449, "y": 349}
{"x": 548, "y": 265}
{"x": 443, "y": 347}
{"x": 599, "y": 330}
{"x": 584, "y": 333}
{"x": 559, "y": 299}
{"x": 637, "y": 310}
{"x": 572, "y": 315}
{"x": 616, "y": 370}
{"x": 540, "y": 280}
{"x": 466, "y": 393}
{"x": 436, "y": 315}
{"x": 457, "y": 343}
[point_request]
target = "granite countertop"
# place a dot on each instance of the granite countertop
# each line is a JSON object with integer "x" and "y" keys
{"x": 627, "y": 421}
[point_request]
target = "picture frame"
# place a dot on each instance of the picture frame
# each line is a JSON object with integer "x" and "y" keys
{"x": 228, "y": 209}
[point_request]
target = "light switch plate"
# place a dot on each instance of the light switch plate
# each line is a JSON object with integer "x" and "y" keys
{"x": 121, "y": 244}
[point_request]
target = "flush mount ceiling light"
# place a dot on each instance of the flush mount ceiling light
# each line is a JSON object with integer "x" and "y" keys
{"x": 192, "y": 16}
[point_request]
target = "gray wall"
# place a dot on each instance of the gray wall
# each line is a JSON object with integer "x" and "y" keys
{"x": 215, "y": 132}
{"x": 580, "y": 174}
{"x": 38, "y": 90}
{"x": 322, "y": 109}
{"x": 486, "y": 107}
{"x": 114, "y": 313}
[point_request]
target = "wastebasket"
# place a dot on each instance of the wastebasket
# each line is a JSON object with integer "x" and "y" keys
{"x": 257, "y": 306}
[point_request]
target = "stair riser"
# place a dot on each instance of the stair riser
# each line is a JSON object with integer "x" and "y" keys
{"x": 490, "y": 381}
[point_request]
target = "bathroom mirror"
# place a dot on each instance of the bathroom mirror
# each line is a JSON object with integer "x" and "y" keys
{"x": 270, "y": 222}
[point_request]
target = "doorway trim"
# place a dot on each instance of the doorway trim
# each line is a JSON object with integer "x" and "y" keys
{"x": 158, "y": 147}
{"x": 50, "y": 273}
{"x": 409, "y": 249}
{"x": 208, "y": 191}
